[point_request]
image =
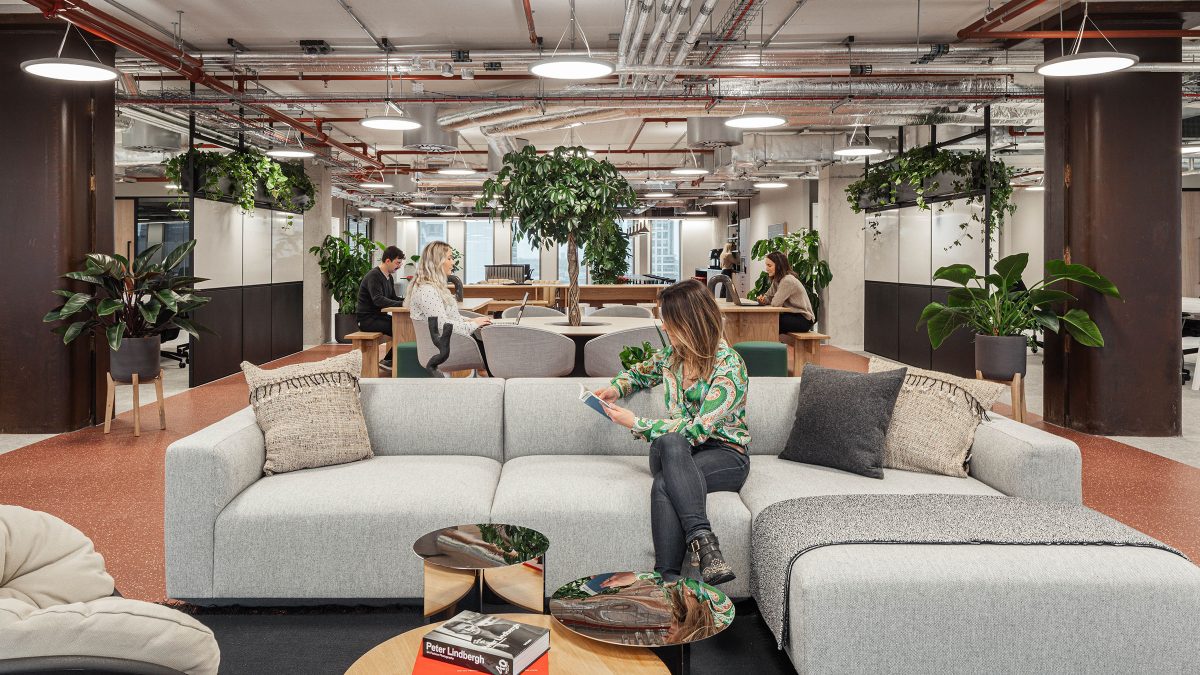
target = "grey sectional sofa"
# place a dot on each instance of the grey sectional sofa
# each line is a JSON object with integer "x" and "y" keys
{"x": 526, "y": 452}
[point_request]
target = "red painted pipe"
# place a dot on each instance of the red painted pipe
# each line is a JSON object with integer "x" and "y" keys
{"x": 533, "y": 36}
{"x": 729, "y": 33}
{"x": 1001, "y": 15}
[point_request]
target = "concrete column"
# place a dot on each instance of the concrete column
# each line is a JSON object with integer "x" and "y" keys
{"x": 843, "y": 241}
{"x": 317, "y": 224}
{"x": 1113, "y": 203}
{"x": 56, "y": 185}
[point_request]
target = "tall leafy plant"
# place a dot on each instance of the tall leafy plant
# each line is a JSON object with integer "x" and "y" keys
{"x": 994, "y": 304}
{"x": 129, "y": 298}
{"x": 803, "y": 251}
{"x": 563, "y": 197}
{"x": 344, "y": 261}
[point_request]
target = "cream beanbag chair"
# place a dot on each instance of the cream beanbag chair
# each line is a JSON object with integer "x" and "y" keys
{"x": 56, "y": 600}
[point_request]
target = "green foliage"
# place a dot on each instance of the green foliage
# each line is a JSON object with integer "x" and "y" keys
{"x": 344, "y": 261}
{"x": 607, "y": 256}
{"x": 455, "y": 255}
{"x": 920, "y": 168}
{"x": 803, "y": 251}
{"x": 128, "y": 298}
{"x": 563, "y": 197}
{"x": 989, "y": 306}
{"x": 518, "y": 544}
{"x": 632, "y": 355}
{"x": 286, "y": 182}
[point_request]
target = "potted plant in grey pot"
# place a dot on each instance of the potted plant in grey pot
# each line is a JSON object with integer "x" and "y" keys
{"x": 344, "y": 261}
{"x": 131, "y": 303}
{"x": 1005, "y": 316}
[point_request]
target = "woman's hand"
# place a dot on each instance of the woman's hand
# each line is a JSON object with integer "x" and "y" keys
{"x": 482, "y": 321}
{"x": 761, "y": 300}
{"x": 621, "y": 416}
{"x": 607, "y": 394}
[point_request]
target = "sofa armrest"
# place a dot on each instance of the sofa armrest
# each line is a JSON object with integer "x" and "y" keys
{"x": 204, "y": 472}
{"x": 1022, "y": 461}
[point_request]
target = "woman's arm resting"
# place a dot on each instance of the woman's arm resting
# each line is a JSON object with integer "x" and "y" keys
{"x": 724, "y": 396}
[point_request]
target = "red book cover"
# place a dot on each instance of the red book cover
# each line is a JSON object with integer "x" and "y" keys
{"x": 427, "y": 666}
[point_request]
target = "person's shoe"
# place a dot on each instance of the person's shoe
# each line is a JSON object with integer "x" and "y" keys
{"x": 713, "y": 568}
{"x": 691, "y": 566}
{"x": 386, "y": 364}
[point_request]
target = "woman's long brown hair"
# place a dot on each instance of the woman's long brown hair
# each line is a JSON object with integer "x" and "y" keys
{"x": 694, "y": 322}
{"x": 782, "y": 266}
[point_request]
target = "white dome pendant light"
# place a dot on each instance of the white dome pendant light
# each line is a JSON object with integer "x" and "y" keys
{"x": 388, "y": 121}
{"x": 571, "y": 67}
{"x": 71, "y": 70}
{"x": 1081, "y": 64}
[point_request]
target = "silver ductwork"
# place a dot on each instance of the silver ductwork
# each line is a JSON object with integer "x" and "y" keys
{"x": 402, "y": 182}
{"x": 711, "y": 132}
{"x": 431, "y": 137}
{"x": 488, "y": 115}
{"x": 763, "y": 150}
{"x": 149, "y": 138}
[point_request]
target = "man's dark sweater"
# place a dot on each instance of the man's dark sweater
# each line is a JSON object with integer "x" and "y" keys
{"x": 374, "y": 293}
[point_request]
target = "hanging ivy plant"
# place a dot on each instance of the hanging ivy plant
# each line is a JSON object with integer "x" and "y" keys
{"x": 922, "y": 170}
{"x": 286, "y": 182}
{"x": 210, "y": 168}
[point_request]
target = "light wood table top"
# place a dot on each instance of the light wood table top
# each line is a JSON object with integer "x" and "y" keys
{"x": 603, "y": 324}
{"x": 469, "y": 304}
{"x": 569, "y": 653}
{"x": 750, "y": 306}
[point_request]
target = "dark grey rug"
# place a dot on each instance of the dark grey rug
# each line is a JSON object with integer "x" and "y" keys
{"x": 325, "y": 641}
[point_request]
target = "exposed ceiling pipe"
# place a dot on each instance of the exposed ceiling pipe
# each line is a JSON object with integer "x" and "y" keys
{"x": 668, "y": 42}
{"x": 487, "y": 115}
{"x": 383, "y": 46}
{"x": 635, "y": 38}
{"x": 660, "y": 23}
{"x": 693, "y": 35}
{"x": 783, "y": 24}
{"x": 533, "y": 36}
{"x": 626, "y": 27}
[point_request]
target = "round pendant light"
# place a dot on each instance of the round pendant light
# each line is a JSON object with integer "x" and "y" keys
{"x": 658, "y": 195}
{"x": 457, "y": 171}
{"x": 1191, "y": 149}
{"x": 369, "y": 209}
{"x": 571, "y": 68}
{"x": 71, "y": 70}
{"x": 859, "y": 148}
{"x": 1088, "y": 63}
{"x": 755, "y": 121}
{"x": 1036, "y": 188}
{"x": 290, "y": 153}
{"x": 374, "y": 185}
{"x": 722, "y": 202}
{"x": 695, "y": 212}
{"x": 770, "y": 184}
{"x": 690, "y": 171}
{"x": 390, "y": 122}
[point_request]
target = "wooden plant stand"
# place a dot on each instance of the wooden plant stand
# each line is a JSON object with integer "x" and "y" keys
{"x": 1017, "y": 385}
{"x": 111, "y": 403}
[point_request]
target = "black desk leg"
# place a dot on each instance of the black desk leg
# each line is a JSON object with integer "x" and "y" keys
{"x": 677, "y": 658}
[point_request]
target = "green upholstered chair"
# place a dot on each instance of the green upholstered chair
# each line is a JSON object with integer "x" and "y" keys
{"x": 764, "y": 359}
{"x": 407, "y": 364}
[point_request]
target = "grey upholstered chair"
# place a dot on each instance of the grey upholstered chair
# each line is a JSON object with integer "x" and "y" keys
{"x": 602, "y": 355}
{"x": 464, "y": 351}
{"x": 624, "y": 310}
{"x": 531, "y": 310}
{"x": 725, "y": 284}
{"x": 522, "y": 351}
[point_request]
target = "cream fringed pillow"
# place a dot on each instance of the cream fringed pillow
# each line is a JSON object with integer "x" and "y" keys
{"x": 310, "y": 413}
{"x": 933, "y": 424}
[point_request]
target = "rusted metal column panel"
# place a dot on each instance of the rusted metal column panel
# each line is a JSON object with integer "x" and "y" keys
{"x": 1113, "y": 202}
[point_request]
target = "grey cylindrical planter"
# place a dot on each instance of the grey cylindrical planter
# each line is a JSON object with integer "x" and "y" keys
{"x": 136, "y": 355}
{"x": 999, "y": 357}
{"x": 343, "y": 324}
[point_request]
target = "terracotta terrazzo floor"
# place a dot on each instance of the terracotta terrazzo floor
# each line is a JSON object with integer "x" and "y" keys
{"x": 111, "y": 487}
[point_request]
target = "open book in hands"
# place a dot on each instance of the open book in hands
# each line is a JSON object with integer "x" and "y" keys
{"x": 594, "y": 402}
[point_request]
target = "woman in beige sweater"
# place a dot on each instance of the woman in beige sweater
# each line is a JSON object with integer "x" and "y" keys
{"x": 788, "y": 292}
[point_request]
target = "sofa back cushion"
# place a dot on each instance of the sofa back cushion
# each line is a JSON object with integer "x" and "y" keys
{"x": 545, "y": 417}
{"x": 456, "y": 416}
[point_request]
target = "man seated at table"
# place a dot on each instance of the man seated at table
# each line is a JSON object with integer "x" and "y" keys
{"x": 377, "y": 291}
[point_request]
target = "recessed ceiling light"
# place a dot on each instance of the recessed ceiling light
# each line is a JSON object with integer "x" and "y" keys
{"x": 374, "y": 185}
{"x": 770, "y": 185}
{"x": 571, "y": 68}
{"x": 658, "y": 195}
{"x": 755, "y": 121}
{"x": 71, "y": 70}
{"x": 390, "y": 122}
{"x": 689, "y": 171}
{"x": 369, "y": 209}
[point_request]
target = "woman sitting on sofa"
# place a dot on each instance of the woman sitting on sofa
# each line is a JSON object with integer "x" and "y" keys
{"x": 428, "y": 295}
{"x": 701, "y": 446}
{"x": 788, "y": 292}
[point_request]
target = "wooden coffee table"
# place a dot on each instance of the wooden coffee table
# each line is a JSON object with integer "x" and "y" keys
{"x": 569, "y": 653}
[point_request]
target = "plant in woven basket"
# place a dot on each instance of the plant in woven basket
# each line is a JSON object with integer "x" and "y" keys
{"x": 563, "y": 197}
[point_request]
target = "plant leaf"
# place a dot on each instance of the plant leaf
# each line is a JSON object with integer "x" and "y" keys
{"x": 942, "y": 324}
{"x": 959, "y": 274}
{"x": 177, "y": 256}
{"x": 143, "y": 258}
{"x": 108, "y": 306}
{"x": 73, "y": 331}
{"x": 82, "y": 276}
{"x": 1046, "y": 319}
{"x": 1081, "y": 327}
{"x": 1010, "y": 268}
{"x": 1047, "y": 296}
{"x": 74, "y": 304}
{"x": 114, "y": 333}
{"x": 1059, "y": 270}
{"x": 149, "y": 311}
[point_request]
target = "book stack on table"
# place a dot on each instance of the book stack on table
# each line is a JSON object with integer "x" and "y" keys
{"x": 484, "y": 643}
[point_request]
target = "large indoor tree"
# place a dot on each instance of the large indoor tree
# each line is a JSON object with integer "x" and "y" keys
{"x": 562, "y": 197}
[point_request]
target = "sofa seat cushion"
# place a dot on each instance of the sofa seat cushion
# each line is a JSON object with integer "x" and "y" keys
{"x": 994, "y": 609}
{"x": 345, "y": 531}
{"x": 596, "y": 512}
{"x": 773, "y": 480}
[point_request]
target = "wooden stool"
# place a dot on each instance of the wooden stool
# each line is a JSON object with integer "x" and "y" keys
{"x": 806, "y": 348}
{"x": 368, "y": 342}
{"x": 1017, "y": 385}
{"x": 111, "y": 404}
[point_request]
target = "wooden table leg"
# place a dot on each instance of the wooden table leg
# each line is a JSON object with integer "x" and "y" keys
{"x": 162, "y": 410}
{"x": 137, "y": 413}
{"x": 396, "y": 340}
{"x": 1018, "y": 397}
{"x": 370, "y": 359}
{"x": 110, "y": 404}
{"x": 812, "y": 351}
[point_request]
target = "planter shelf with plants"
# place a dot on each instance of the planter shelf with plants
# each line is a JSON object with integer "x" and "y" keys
{"x": 246, "y": 178}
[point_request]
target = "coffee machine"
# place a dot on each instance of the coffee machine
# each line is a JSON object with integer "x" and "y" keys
{"x": 714, "y": 259}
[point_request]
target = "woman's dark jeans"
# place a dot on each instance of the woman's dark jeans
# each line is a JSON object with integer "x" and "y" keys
{"x": 683, "y": 476}
{"x": 791, "y": 322}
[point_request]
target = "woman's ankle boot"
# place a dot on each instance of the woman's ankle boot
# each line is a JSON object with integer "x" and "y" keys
{"x": 713, "y": 568}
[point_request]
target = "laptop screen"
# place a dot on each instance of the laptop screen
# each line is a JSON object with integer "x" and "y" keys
{"x": 521, "y": 312}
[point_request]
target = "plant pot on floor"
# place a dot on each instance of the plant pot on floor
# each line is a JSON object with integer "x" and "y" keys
{"x": 136, "y": 355}
{"x": 342, "y": 325}
{"x": 999, "y": 357}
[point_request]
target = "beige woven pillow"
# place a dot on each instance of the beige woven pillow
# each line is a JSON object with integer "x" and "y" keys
{"x": 310, "y": 413}
{"x": 933, "y": 424}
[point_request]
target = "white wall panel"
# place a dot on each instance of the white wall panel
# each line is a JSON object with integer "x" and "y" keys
{"x": 915, "y": 242}
{"x": 883, "y": 247}
{"x": 947, "y": 228}
{"x": 218, "y": 255}
{"x": 256, "y": 247}
{"x": 287, "y": 248}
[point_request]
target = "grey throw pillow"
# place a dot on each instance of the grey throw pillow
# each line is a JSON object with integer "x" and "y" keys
{"x": 842, "y": 419}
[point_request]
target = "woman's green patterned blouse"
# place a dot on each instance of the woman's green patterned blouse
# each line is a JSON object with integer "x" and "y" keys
{"x": 713, "y": 409}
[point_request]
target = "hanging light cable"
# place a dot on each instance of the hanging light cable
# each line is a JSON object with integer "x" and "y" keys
{"x": 388, "y": 121}
{"x": 571, "y": 67}
{"x": 285, "y": 152}
{"x": 1078, "y": 64}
